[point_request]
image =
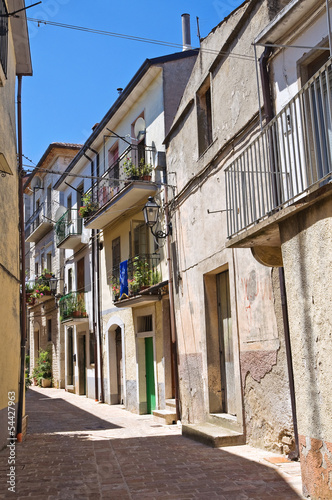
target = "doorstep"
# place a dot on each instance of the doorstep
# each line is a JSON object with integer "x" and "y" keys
{"x": 213, "y": 435}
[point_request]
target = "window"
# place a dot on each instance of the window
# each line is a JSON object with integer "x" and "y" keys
{"x": 69, "y": 205}
{"x": 92, "y": 342}
{"x": 140, "y": 238}
{"x": 144, "y": 323}
{"x": 70, "y": 280}
{"x": 49, "y": 261}
{"x": 3, "y": 36}
{"x": 49, "y": 202}
{"x": 36, "y": 268}
{"x": 49, "y": 330}
{"x": 204, "y": 117}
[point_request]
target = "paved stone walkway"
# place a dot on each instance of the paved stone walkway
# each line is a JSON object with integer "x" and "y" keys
{"x": 79, "y": 449}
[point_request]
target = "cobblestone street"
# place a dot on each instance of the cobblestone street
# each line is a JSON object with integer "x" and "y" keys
{"x": 76, "y": 448}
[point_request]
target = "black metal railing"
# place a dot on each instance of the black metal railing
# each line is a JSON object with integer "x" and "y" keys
{"x": 42, "y": 214}
{"x": 3, "y": 36}
{"x": 72, "y": 306}
{"x": 134, "y": 164}
{"x": 142, "y": 271}
{"x": 70, "y": 224}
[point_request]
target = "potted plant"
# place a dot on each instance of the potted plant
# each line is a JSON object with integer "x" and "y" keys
{"x": 145, "y": 170}
{"x": 46, "y": 274}
{"x": 28, "y": 292}
{"x": 88, "y": 207}
{"x": 141, "y": 273}
{"x": 130, "y": 169}
{"x": 42, "y": 372}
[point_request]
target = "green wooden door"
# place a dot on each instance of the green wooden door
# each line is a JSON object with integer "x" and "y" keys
{"x": 149, "y": 367}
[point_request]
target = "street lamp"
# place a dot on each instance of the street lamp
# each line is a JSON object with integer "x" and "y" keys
{"x": 151, "y": 217}
{"x": 53, "y": 285}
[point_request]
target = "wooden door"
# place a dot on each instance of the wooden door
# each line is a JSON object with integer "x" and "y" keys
{"x": 226, "y": 344}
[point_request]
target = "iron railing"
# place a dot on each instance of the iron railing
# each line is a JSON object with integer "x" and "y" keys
{"x": 134, "y": 163}
{"x": 70, "y": 224}
{"x": 293, "y": 154}
{"x": 3, "y": 36}
{"x": 143, "y": 271}
{"x": 72, "y": 306}
{"x": 42, "y": 214}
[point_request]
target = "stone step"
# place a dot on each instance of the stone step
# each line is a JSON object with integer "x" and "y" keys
{"x": 212, "y": 435}
{"x": 226, "y": 421}
{"x": 166, "y": 417}
{"x": 170, "y": 403}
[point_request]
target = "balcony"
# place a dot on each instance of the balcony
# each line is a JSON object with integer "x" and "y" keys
{"x": 39, "y": 289}
{"x": 68, "y": 230}
{"x": 126, "y": 184}
{"x": 39, "y": 224}
{"x": 73, "y": 308}
{"x": 286, "y": 167}
{"x": 137, "y": 281}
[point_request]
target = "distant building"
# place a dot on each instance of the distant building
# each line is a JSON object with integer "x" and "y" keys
{"x": 118, "y": 346}
{"x": 43, "y": 259}
{"x": 14, "y": 60}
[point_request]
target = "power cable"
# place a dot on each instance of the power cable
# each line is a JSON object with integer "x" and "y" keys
{"x": 137, "y": 38}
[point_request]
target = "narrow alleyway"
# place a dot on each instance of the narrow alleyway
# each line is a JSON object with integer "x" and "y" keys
{"x": 80, "y": 449}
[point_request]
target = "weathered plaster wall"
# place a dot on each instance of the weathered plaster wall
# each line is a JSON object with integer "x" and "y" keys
{"x": 9, "y": 250}
{"x": 306, "y": 250}
{"x": 260, "y": 370}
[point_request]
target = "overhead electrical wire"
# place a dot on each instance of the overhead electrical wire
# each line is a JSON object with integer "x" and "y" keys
{"x": 137, "y": 38}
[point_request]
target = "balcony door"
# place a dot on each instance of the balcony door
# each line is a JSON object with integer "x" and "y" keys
{"x": 80, "y": 281}
{"x": 140, "y": 239}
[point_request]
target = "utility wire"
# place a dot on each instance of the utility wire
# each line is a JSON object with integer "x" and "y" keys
{"x": 137, "y": 38}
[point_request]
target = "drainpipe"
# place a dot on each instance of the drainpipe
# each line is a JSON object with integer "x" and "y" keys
{"x": 267, "y": 98}
{"x": 22, "y": 251}
{"x": 172, "y": 312}
{"x": 94, "y": 311}
{"x": 102, "y": 398}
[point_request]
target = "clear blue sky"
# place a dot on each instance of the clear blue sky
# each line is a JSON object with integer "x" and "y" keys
{"x": 76, "y": 74}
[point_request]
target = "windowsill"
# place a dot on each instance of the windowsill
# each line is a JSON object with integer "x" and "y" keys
{"x": 207, "y": 149}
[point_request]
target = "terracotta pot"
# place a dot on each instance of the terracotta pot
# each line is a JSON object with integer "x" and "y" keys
{"x": 146, "y": 177}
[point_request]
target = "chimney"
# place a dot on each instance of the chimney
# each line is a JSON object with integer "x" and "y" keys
{"x": 186, "y": 38}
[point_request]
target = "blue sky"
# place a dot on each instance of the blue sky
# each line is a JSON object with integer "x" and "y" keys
{"x": 76, "y": 74}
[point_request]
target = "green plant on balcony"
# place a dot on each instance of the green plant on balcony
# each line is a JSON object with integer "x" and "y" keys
{"x": 88, "y": 207}
{"x": 141, "y": 273}
{"x": 155, "y": 277}
{"x": 80, "y": 306}
{"x": 115, "y": 283}
{"x": 130, "y": 169}
{"x": 43, "y": 369}
{"x": 145, "y": 170}
{"x": 40, "y": 290}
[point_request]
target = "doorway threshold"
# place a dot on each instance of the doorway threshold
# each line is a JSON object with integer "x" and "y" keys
{"x": 213, "y": 435}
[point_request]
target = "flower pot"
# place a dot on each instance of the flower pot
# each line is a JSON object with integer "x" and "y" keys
{"x": 146, "y": 178}
{"x": 46, "y": 382}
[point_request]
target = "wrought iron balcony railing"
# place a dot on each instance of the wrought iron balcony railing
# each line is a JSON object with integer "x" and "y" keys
{"x": 73, "y": 306}
{"x": 291, "y": 157}
{"x": 141, "y": 271}
{"x": 4, "y": 36}
{"x": 69, "y": 225}
{"x": 42, "y": 216}
{"x": 135, "y": 163}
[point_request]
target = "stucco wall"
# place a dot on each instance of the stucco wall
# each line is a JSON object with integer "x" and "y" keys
{"x": 261, "y": 389}
{"x": 9, "y": 250}
{"x": 306, "y": 251}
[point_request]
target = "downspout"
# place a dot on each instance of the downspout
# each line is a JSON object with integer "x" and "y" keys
{"x": 94, "y": 311}
{"x": 267, "y": 98}
{"x": 102, "y": 397}
{"x": 172, "y": 312}
{"x": 22, "y": 252}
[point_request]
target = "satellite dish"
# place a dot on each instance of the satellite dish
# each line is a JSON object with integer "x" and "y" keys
{"x": 60, "y": 212}
{"x": 36, "y": 182}
{"x": 140, "y": 128}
